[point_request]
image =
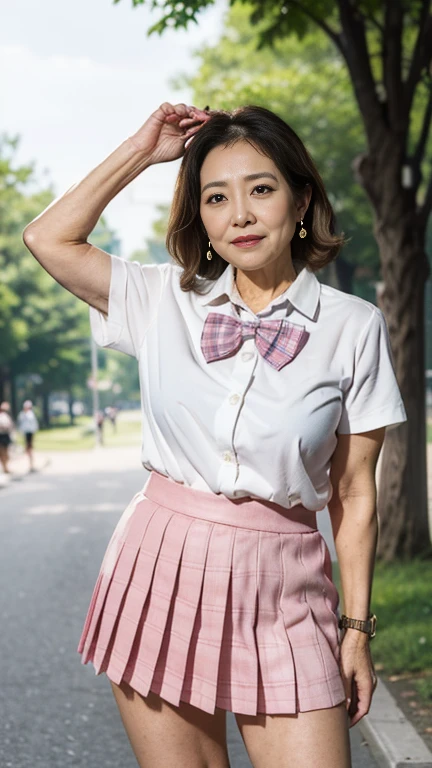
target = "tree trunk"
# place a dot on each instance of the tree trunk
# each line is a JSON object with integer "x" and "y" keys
{"x": 45, "y": 410}
{"x": 71, "y": 413}
{"x": 13, "y": 396}
{"x": 402, "y": 495}
{"x": 5, "y": 383}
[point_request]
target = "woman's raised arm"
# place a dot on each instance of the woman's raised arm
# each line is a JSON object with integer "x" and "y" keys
{"x": 57, "y": 238}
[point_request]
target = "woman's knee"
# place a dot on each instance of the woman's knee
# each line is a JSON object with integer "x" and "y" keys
{"x": 162, "y": 734}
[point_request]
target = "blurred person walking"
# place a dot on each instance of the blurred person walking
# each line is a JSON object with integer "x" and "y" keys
{"x": 28, "y": 425}
{"x": 100, "y": 422}
{"x": 111, "y": 414}
{"x": 6, "y": 428}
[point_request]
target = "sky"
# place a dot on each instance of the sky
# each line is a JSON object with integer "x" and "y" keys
{"x": 79, "y": 77}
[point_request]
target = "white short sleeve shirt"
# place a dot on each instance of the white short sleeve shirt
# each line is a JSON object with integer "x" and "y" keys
{"x": 238, "y": 426}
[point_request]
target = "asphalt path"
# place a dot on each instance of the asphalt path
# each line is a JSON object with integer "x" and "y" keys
{"x": 55, "y": 712}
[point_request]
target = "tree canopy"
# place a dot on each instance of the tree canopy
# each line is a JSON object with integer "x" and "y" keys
{"x": 43, "y": 328}
{"x": 386, "y": 46}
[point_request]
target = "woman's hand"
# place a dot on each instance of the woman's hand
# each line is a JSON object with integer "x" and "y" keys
{"x": 165, "y": 134}
{"x": 358, "y": 674}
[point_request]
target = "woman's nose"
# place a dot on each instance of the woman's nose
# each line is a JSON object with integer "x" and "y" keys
{"x": 241, "y": 214}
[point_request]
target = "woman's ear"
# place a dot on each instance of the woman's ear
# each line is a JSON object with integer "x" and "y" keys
{"x": 304, "y": 201}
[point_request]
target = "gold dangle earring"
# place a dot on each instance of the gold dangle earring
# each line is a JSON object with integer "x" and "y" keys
{"x": 303, "y": 231}
{"x": 209, "y": 253}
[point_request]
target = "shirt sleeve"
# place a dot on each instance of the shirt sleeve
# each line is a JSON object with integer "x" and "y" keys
{"x": 372, "y": 399}
{"x": 134, "y": 297}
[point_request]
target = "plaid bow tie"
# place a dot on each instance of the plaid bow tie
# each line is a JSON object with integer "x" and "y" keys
{"x": 278, "y": 341}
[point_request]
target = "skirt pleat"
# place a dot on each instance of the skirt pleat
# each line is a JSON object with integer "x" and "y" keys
{"x": 275, "y": 652}
{"x": 153, "y": 524}
{"x": 89, "y": 634}
{"x": 216, "y": 614}
{"x": 158, "y": 603}
{"x": 311, "y": 628}
{"x": 171, "y": 666}
{"x": 200, "y": 684}
{"x": 238, "y": 669}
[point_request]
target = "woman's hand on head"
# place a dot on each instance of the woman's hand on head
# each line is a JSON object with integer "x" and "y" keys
{"x": 165, "y": 134}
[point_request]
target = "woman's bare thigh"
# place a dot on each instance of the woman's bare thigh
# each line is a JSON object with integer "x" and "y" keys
{"x": 317, "y": 739}
{"x": 165, "y": 736}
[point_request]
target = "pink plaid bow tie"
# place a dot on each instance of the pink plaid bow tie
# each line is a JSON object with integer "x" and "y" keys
{"x": 278, "y": 341}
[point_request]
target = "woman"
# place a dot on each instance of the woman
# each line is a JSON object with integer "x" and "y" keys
{"x": 265, "y": 397}
{"x": 6, "y": 429}
{"x": 28, "y": 425}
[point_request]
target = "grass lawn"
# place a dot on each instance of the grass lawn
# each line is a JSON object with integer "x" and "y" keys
{"x": 63, "y": 437}
{"x": 402, "y": 601}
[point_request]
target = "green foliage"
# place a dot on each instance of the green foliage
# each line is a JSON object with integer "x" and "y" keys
{"x": 401, "y": 598}
{"x": 43, "y": 328}
{"x": 281, "y": 20}
{"x": 16, "y": 264}
{"x": 402, "y": 601}
{"x": 424, "y": 687}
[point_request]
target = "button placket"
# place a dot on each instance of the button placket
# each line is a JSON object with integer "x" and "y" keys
{"x": 229, "y": 413}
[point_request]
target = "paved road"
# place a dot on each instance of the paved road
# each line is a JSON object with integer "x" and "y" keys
{"x": 54, "y": 712}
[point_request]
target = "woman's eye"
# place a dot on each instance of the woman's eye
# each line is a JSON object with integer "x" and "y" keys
{"x": 260, "y": 189}
{"x": 263, "y": 187}
{"x": 211, "y": 199}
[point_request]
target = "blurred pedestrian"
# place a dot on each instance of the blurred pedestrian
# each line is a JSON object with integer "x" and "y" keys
{"x": 28, "y": 425}
{"x": 100, "y": 419}
{"x": 6, "y": 428}
{"x": 111, "y": 413}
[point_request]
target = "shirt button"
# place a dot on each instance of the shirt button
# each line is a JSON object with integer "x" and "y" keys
{"x": 246, "y": 356}
{"x": 234, "y": 399}
{"x": 227, "y": 456}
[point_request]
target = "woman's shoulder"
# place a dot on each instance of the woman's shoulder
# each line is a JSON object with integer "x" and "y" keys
{"x": 348, "y": 304}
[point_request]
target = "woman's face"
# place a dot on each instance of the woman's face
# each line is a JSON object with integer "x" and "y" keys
{"x": 244, "y": 195}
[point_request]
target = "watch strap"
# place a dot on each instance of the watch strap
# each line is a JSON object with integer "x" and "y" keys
{"x": 368, "y": 626}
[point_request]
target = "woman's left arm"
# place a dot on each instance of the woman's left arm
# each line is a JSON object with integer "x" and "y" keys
{"x": 354, "y": 522}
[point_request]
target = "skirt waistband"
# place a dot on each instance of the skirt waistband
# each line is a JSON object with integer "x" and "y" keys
{"x": 246, "y": 512}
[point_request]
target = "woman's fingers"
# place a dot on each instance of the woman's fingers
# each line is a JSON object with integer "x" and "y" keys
{"x": 202, "y": 114}
{"x": 364, "y": 700}
{"x": 188, "y": 121}
{"x": 194, "y": 129}
{"x": 347, "y": 681}
{"x": 362, "y": 695}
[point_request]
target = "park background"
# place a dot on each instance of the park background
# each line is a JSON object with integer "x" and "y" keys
{"x": 79, "y": 79}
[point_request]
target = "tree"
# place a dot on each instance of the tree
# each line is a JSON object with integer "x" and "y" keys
{"x": 17, "y": 207}
{"x": 386, "y": 46}
{"x": 43, "y": 329}
{"x": 305, "y": 83}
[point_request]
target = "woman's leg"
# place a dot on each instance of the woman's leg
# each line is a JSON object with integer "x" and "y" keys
{"x": 163, "y": 735}
{"x": 317, "y": 739}
{"x": 4, "y": 458}
{"x": 29, "y": 449}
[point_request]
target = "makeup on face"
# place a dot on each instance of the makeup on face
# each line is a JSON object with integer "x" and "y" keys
{"x": 246, "y": 204}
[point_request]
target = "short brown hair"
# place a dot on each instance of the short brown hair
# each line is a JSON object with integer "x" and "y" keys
{"x": 187, "y": 241}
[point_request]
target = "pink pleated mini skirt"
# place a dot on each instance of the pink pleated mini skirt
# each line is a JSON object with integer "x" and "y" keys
{"x": 217, "y": 602}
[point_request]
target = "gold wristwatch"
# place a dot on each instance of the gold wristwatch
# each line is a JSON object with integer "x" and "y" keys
{"x": 368, "y": 626}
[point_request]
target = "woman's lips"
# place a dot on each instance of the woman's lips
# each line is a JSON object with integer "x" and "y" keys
{"x": 247, "y": 243}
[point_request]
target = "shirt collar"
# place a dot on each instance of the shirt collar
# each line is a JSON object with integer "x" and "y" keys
{"x": 303, "y": 293}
